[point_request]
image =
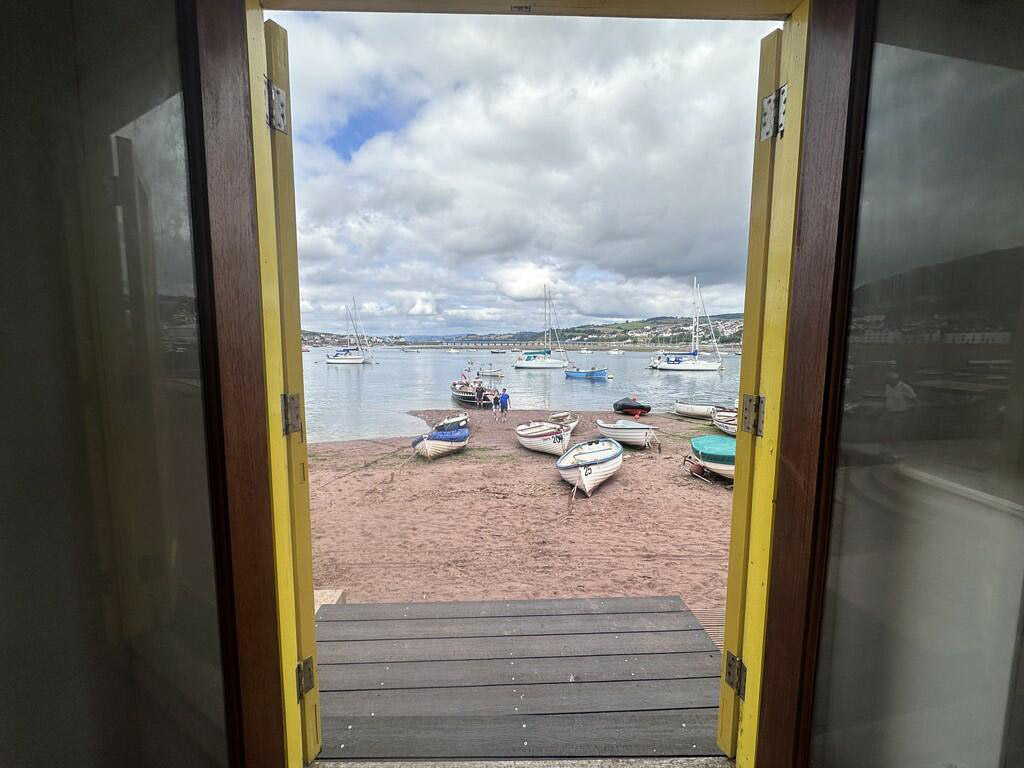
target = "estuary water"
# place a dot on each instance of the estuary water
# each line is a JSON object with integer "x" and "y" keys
{"x": 346, "y": 402}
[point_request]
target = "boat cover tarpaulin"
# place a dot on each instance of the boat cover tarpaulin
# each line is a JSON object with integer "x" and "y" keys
{"x": 451, "y": 436}
{"x": 719, "y": 449}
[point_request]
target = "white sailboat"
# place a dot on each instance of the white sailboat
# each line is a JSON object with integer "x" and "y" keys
{"x": 544, "y": 358}
{"x": 352, "y": 355}
{"x": 692, "y": 361}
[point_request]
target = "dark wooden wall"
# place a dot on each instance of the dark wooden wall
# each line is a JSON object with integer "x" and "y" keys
{"x": 217, "y": 99}
{"x": 838, "y": 61}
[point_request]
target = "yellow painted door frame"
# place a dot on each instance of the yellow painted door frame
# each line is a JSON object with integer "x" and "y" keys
{"x": 766, "y": 316}
{"x": 288, "y": 613}
{"x": 750, "y": 375}
{"x": 291, "y": 354}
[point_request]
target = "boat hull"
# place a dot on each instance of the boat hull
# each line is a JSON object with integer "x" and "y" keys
{"x": 696, "y": 366}
{"x": 566, "y": 419}
{"x": 600, "y": 374}
{"x": 693, "y": 411}
{"x": 630, "y": 407}
{"x": 549, "y": 364}
{"x": 635, "y": 434}
{"x": 347, "y": 360}
{"x": 588, "y": 476}
{"x": 434, "y": 449}
{"x": 554, "y": 440}
{"x": 724, "y": 419}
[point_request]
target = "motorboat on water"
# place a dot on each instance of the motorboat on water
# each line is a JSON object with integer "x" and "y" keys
{"x": 724, "y": 419}
{"x": 713, "y": 453}
{"x": 628, "y": 432}
{"x": 585, "y": 466}
{"x": 692, "y": 360}
{"x": 435, "y": 444}
{"x": 585, "y": 351}
{"x": 697, "y": 411}
{"x": 594, "y": 374}
{"x": 544, "y": 358}
{"x": 490, "y": 373}
{"x": 616, "y": 352}
{"x": 631, "y": 407}
{"x": 544, "y": 436}
{"x": 464, "y": 392}
{"x": 565, "y": 419}
{"x": 498, "y": 351}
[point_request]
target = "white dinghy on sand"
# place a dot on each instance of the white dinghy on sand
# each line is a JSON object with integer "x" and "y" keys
{"x": 544, "y": 436}
{"x": 565, "y": 418}
{"x": 628, "y": 432}
{"x": 586, "y": 465}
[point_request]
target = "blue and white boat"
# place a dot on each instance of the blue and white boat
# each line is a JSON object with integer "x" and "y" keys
{"x": 594, "y": 374}
{"x": 586, "y": 465}
{"x": 435, "y": 444}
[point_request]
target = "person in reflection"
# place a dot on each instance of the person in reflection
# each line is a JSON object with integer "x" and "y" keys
{"x": 900, "y": 400}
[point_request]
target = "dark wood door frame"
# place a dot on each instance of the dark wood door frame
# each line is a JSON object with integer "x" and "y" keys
{"x": 216, "y": 96}
{"x": 838, "y": 70}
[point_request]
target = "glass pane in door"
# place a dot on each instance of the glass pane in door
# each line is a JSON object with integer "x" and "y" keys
{"x": 920, "y": 644}
{"x": 111, "y": 641}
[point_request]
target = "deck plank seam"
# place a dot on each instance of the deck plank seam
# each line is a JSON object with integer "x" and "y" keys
{"x": 518, "y": 684}
{"x": 486, "y": 637}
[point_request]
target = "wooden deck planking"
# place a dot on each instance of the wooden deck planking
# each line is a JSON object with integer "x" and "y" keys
{"x": 435, "y": 649}
{"x": 564, "y": 669}
{"x": 536, "y": 699}
{"x": 617, "y": 734}
{"x": 587, "y": 678}
{"x": 493, "y": 608}
{"x": 503, "y": 626}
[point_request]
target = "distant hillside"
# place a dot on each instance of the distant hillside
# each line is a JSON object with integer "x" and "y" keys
{"x": 666, "y": 331}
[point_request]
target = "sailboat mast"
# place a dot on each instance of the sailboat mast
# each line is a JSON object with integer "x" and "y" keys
{"x": 694, "y": 342}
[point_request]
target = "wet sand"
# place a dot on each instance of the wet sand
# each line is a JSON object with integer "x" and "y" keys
{"x": 495, "y": 521}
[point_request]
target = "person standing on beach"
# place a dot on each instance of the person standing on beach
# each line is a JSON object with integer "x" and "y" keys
{"x": 494, "y": 405}
{"x": 504, "y": 401}
{"x": 479, "y": 394}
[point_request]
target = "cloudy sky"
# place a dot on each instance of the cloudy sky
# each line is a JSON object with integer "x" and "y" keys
{"x": 447, "y": 167}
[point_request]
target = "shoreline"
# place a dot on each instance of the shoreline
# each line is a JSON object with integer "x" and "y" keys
{"x": 495, "y": 522}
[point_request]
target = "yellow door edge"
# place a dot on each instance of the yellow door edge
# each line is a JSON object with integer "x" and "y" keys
{"x": 750, "y": 373}
{"x": 274, "y": 369}
{"x": 291, "y": 354}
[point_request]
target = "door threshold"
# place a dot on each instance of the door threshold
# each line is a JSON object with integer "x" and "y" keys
{"x": 613, "y": 762}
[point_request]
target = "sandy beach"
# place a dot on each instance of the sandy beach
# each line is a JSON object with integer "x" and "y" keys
{"x": 495, "y": 520}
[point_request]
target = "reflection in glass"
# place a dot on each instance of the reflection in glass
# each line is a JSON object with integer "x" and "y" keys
{"x": 107, "y": 552}
{"x": 920, "y": 644}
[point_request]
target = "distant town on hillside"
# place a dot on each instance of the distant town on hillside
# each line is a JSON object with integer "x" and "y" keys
{"x": 654, "y": 331}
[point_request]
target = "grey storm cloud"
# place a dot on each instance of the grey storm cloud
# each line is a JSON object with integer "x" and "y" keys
{"x": 607, "y": 158}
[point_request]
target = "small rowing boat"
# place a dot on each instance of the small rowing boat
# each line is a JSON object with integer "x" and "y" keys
{"x": 593, "y": 374}
{"x": 725, "y": 419}
{"x": 587, "y": 465}
{"x": 435, "y": 444}
{"x": 490, "y": 373}
{"x": 631, "y": 407}
{"x": 693, "y": 411}
{"x": 453, "y": 422}
{"x": 628, "y": 432}
{"x": 565, "y": 418}
{"x": 544, "y": 436}
{"x": 714, "y": 453}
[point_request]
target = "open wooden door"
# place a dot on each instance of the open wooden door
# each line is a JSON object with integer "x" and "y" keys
{"x": 766, "y": 312}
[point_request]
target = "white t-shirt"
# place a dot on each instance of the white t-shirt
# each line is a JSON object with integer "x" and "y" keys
{"x": 899, "y": 398}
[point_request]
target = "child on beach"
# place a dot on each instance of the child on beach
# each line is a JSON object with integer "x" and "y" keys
{"x": 504, "y": 400}
{"x": 494, "y": 405}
